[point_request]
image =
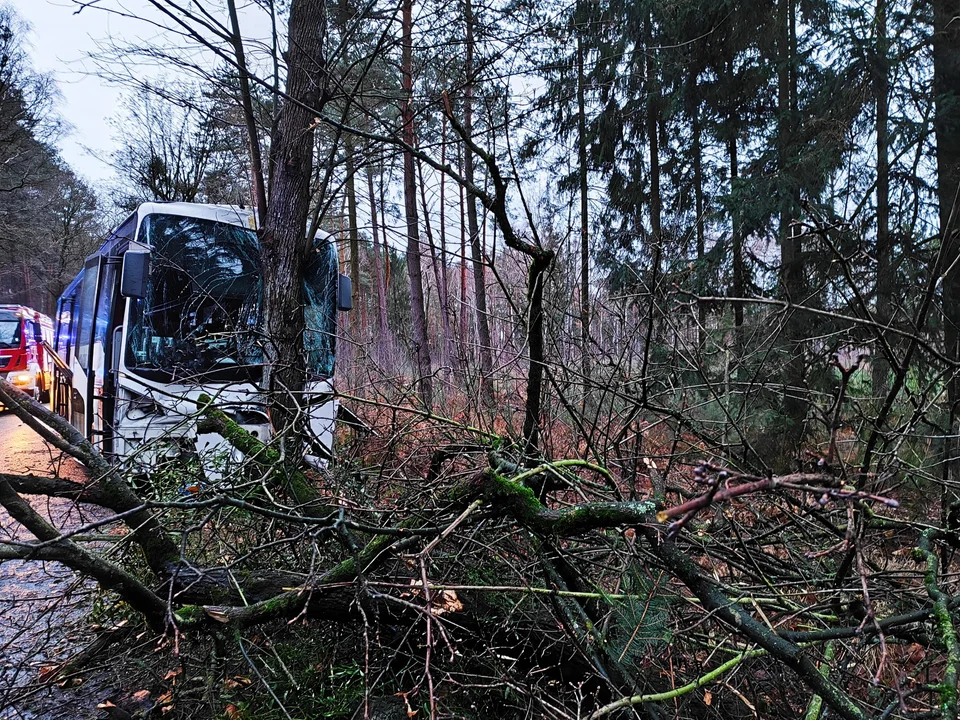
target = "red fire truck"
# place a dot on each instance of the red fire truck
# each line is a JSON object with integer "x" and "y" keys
{"x": 23, "y": 360}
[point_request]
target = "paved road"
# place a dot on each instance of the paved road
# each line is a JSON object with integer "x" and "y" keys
{"x": 40, "y": 603}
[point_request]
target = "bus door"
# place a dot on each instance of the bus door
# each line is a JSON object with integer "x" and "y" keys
{"x": 84, "y": 365}
{"x": 64, "y": 342}
{"x": 102, "y": 380}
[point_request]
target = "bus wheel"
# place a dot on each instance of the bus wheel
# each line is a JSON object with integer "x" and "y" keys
{"x": 43, "y": 397}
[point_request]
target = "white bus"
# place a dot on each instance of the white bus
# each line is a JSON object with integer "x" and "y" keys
{"x": 169, "y": 309}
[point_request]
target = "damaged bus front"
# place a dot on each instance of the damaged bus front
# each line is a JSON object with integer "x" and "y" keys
{"x": 168, "y": 310}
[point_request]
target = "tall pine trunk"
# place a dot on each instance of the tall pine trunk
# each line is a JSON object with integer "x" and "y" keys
{"x": 701, "y": 220}
{"x": 439, "y": 276}
{"x": 479, "y": 274}
{"x": 739, "y": 273}
{"x": 584, "y": 224}
{"x": 653, "y": 120}
{"x": 653, "y": 137}
{"x": 946, "y": 87}
{"x": 384, "y": 344}
{"x": 884, "y": 253}
{"x": 444, "y": 267}
{"x": 464, "y": 332}
{"x": 284, "y": 245}
{"x": 421, "y": 345}
{"x": 795, "y": 400}
{"x": 353, "y": 230}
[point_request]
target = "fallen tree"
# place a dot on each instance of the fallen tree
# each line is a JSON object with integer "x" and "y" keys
{"x": 371, "y": 567}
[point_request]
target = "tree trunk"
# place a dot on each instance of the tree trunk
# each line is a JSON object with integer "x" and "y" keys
{"x": 246, "y": 103}
{"x": 464, "y": 331}
{"x": 736, "y": 248}
{"x": 384, "y": 344}
{"x": 584, "y": 225}
{"x": 479, "y": 276}
{"x": 885, "y": 271}
{"x": 946, "y": 87}
{"x": 653, "y": 136}
{"x": 353, "y": 230}
{"x": 701, "y": 221}
{"x": 795, "y": 401}
{"x": 284, "y": 245}
{"x": 439, "y": 276}
{"x": 444, "y": 279}
{"x": 421, "y": 346}
{"x": 656, "y": 247}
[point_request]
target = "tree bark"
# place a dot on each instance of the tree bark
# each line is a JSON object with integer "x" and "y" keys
{"x": 284, "y": 244}
{"x": 653, "y": 137}
{"x": 444, "y": 279}
{"x": 421, "y": 345}
{"x": 653, "y": 120}
{"x": 701, "y": 220}
{"x": 479, "y": 275}
{"x": 584, "y": 224}
{"x": 246, "y": 103}
{"x": 795, "y": 400}
{"x": 739, "y": 274}
{"x": 384, "y": 344}
{"x": 464, "y": 332}
{"x": 353, "y": 230}
{"x": 886, "y": 275}
{"x": 946, "y": 87}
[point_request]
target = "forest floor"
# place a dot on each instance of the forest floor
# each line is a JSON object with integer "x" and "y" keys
{"x": 44, "y": 608}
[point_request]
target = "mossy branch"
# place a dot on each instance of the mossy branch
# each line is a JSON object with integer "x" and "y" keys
{"x": 522, "y": 504}
{"x": 108, "y": 575}
{"x": 158, "y": 548}
{"x": 279, "y": 474}
{"x": 947, "y": 688}
{"x": 815, "y": 706}
{"x": 715, "y": 601}
{"x": 680, "y": 691}
{"x": 557, "y": 465}
{"x": 58, "y": 487}
{"x": 332, "y": 597}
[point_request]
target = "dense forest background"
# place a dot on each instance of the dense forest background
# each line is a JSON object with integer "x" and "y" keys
{"x": 656, "y": 338}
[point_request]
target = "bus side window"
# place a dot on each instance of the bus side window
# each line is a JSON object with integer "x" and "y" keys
{"x": 108, "y": 274}
{"x": 85, "y": 320}
{"x": 65, "y": 326}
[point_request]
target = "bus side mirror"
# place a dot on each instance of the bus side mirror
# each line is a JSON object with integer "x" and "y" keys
{"x": 344, "y": 293}
{"x": 134, "y": 275}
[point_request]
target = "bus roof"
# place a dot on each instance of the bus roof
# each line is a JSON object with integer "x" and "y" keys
{"x": 72, "y": 287}
{"x": 123, "y": 234}
{"x": 232, "y": 214}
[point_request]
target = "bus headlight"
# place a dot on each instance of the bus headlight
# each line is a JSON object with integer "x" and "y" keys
{"x": 21, "y": 379}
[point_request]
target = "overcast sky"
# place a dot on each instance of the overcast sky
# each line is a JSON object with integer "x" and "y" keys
{"x": 58, "y": 43}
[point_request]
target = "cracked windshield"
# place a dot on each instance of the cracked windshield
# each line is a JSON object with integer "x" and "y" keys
{"x": 202, "y": 308}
